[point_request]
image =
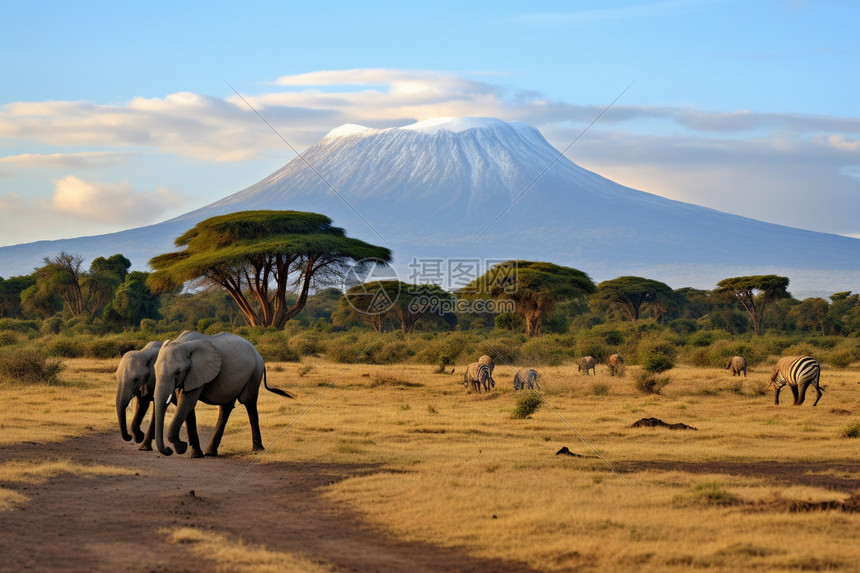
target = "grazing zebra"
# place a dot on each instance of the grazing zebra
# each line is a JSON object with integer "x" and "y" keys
{"x": 798, "y": 372}
{"x": 616, "y": 365}
{"x": 587, "y": 363}
{"x": 526, "y": 376}
{"x": 477, "y": 374}
{"x": 488, "y": 360}
{"x": 737, "y": 364}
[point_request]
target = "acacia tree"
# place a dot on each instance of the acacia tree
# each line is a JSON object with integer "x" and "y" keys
{"x": 258, "y": 256}
{"x": 630, "y": 293}
{"x": 81, "y": 292}
{"x": 535, "y": 288}
{"x": 754, "y": 293}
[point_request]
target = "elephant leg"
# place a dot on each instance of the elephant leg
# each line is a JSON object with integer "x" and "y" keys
{"x": 139, "y": 413}
{"x": 184, "y": 407}
{"x": 254, "y": 419}
{"x": 146, "y": 446}
{"x": 223, "y": 415}
{"x": 193, "y": 437}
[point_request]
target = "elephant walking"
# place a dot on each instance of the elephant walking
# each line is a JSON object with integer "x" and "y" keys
{"x": 135, "y": 377}
{"x": 587, "y": 363}
{"x": 216, "y": 370}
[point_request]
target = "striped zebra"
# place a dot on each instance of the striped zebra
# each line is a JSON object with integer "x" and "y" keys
{"x": 477, "y": 374}
{"x": 488, "y": 360}
{"x": 798, "y": 372}
{"x": 526, "y": 377}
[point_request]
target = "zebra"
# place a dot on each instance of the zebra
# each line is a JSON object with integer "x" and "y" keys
{"x": 475, "y": 375}
{"x": 488, "y": 360}
{"x": 737, "y": 364}
{"x": 587, "y": 363}
{"x": 616, "y": 365}
{"x": 526, "y": 376}
{"x": 798, "y": 372}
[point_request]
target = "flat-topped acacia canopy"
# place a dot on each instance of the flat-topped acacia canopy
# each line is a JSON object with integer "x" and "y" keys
{"x": 263, "y": 253}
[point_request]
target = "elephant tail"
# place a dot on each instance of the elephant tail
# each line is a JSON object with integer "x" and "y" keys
{"x": 277, "y": 391}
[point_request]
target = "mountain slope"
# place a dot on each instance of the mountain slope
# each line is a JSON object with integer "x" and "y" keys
{"x": 482, "y": 188}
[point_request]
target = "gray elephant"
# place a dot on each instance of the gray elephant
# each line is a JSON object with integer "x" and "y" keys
{"x": 526, "y": 377}
{"x": 737, "y": 364}
{"x": 135, "y": 377}
{"x": 216, "y": 370}
{"x": 587, "y": 363}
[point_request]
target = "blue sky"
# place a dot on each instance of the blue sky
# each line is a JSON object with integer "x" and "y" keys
{"x": 119, "y": 114}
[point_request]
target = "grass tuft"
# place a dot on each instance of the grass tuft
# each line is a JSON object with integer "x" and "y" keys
{"x": 527, "y": 405}
{"x": 29, "y": 366}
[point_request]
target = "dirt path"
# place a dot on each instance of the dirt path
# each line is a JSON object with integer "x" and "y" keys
{"x": 111, "y": 523}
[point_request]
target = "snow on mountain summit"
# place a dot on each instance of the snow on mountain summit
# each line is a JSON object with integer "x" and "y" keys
{"x": 460, "y": 124}
{"x": 346, "y": 130}
{"x": 480, "y": 188}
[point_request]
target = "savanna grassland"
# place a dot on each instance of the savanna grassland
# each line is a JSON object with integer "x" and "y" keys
{"x": 754, "y": 487}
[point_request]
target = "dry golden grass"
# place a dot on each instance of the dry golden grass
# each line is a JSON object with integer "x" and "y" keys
{"x": 240, "y": 557}
{"x": 82, "y": 402}
{"x": 457, "y": 470}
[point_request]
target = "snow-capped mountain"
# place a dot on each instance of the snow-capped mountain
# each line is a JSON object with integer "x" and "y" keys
{"x": 482, "y": 189}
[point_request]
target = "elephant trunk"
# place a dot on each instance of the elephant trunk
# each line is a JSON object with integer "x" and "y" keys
{"x": 139, "y": 413}
{"x": 161, "y": 398}
{"x": 121, "y": 405}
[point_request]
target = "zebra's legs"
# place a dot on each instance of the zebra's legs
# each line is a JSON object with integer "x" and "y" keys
{"x": 797, "y": 400}
{"x": 776, "y": 395}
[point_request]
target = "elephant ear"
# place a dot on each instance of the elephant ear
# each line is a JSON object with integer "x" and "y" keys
{"x": 205, "y": 364}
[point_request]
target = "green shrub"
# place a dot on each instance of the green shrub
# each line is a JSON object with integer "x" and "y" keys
{"x": 17, "y": 325}
{"x": 8, "y": 338}
{"x": 390, "y": 352}
{"x": 600, "y": 389}
{"x": 29, "y": 366}
{"x": 658, "y": 362}
{"x": 306, "y": 344}
{"x": 527, "y": 405}
{"x": 66, "y": 347}
{"x": 546, "y": 350}
{"x": 110, "y": 347}
{"x": 840, "y": 359}
{"x": 649, "y": 383}
{"x": 595, "y": 348}
{"x": 273, "y": 347}
{"x": 53, "y": 325}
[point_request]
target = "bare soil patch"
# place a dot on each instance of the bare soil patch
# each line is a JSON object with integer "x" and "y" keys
{"x": 111, "y": 523}
{"x": 838, "y": 476}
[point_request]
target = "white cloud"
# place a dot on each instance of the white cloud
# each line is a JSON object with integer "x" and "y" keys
{"x": 110, "y": 203}
{"x": 80, "y": 160}
{"x": 741, "y": 161}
